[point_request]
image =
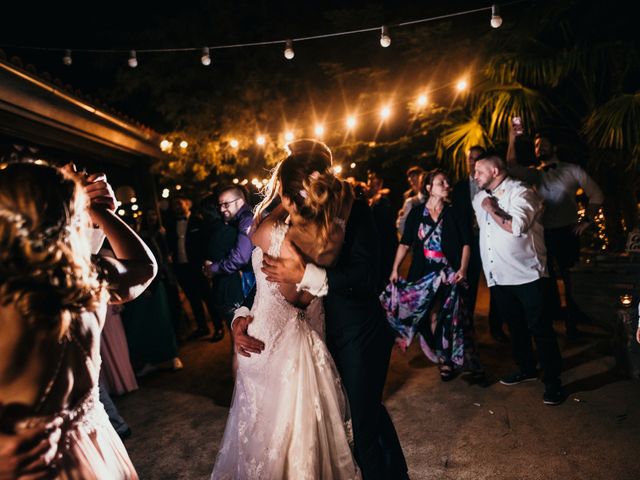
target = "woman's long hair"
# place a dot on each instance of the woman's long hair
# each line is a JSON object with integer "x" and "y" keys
{"x": 306, "y": 178}
{"x": 45, "y": 259}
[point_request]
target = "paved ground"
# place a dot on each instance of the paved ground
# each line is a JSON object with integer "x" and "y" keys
{"x": 454, "y": 430}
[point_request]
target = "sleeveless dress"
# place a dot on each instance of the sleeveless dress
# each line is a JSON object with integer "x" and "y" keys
{"x": 289, "y": 416}
{"x": 89, "y": 447}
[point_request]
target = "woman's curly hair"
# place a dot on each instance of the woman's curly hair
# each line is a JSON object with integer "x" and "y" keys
{"x": 46, "y": 270}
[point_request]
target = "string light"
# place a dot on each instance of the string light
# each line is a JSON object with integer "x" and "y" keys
{"x": 206, "y": 57}
{"x": 184, "y": 144}
{"x": 67, "y": 60}
{"x": 319, "y": 130}
{"x": 234, "y": 143}
{"x": 236, "y": 181}
{"x": 385, "y": 112}
{"x": 134, "y": 200}
{"x": 178, "y": 187}
{"x": 288, "y": 136}
{"x": 385, "y": 39}
{"x": 353, "y": 165}
{"x": 244, "y": 182}
{"x": 337, "y": 169}
{"x": 260, "y": 140}
{"x": 422, "y": 100}
{"x": 288, "y": 50}
{"x": 165, "y": 193}
{"x": 134, "y": 207}
{"x": 121, "y": 212}
{"x": 133, "y": 60}
{"x": 462, "y": 85}
{"x": 496, "y": 19}
{"x": 165, "y": 145}
{"x": 351, "y": 122}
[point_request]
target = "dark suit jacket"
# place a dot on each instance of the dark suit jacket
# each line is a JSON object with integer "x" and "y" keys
{"x": 195, "y": 241}
{"x": 456, "y": 233}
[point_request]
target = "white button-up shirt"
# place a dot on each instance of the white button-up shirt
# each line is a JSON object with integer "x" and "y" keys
{"x": 557, "y": 187}
{"x": 512, "y": 258}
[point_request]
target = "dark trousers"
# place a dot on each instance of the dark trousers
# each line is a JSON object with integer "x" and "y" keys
{"x": 563, "y": 251}
{"x": 523, "y": 308}
{"x": 197, "y": 290}
{"x": 363, "y": 370}
{"x": 473, "y": 276}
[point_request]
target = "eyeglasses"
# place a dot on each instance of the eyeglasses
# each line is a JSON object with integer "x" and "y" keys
{"x": 226, "y": 205}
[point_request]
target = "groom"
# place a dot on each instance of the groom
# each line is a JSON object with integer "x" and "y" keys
{"x": 357, "y": 334}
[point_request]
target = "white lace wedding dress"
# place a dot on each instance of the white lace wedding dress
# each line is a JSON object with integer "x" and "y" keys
{"x": 289, "y": 417}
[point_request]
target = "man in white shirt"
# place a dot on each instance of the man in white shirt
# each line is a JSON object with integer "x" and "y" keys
{"x": 556, "y": 183}
{"x": 514, "y": 262}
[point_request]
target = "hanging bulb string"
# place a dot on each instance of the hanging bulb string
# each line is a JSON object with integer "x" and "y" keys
{"x": 273, "y": 42}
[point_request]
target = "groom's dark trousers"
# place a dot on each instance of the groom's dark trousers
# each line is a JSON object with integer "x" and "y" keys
{"x": 360, "y": 341}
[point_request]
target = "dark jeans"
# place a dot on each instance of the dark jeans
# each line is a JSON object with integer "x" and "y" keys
{"x": 197, "y": 290}
{"x": 563, "y": 251}
{"x": 523, "y": 308}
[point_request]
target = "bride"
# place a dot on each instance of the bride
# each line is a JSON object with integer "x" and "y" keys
{"x": 289, "y": 416}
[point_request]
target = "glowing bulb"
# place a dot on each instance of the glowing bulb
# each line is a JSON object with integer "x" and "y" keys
{"x": 462, "y": 85}
{"x": 422, "y": 100}
{"x": 134, "y": 200}
{"x": 288, "y": 50}
{"x": 385, "y": 39}
{"x": 319, "y": 130}
{"x": 234, "y": 143}
{"x": 351, "y": 121}
{"x": 255, "y": 181}
{"x": 496, "y": 19}
{"x": 236, "y": 181}
{"x": 206, "y": 57}
{"x": 184, "y": 144}
{"x": 165, "y": 193}
{"x": 260, "y": 140}
{"x": 265, "y": 181}
{"x": 353, "y": 165}
{"x": 337, "y": 169}
{"x": 133, "y": 60}
{"x": 288, "y": 136}
{"x": 165, "y": 145}
{"x": 134, "y": 207}
{"x": 385, "y": 112}
{"x": 244, "y": 182}
{"x": 178, "y": 187}
{"x": 626, "y": 300}
{"x": 121, "y": 212}
{"x": 67, "y": 60}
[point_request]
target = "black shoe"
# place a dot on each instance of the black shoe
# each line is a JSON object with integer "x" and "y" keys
{"x": 500, "y": 337}
{"x": 554, "y": 394}
{"x": 126, "y": 434}
{"x": 200, "y": 332}
{"x": 518, "y": 377}
{"x": 217, "y": 336}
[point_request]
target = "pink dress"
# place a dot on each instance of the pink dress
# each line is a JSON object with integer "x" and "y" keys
{"x": 89, "y": 447}
{"x": 117, "y": 372}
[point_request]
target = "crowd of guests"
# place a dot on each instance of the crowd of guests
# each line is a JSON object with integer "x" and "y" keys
{"x": 517, "y": 225}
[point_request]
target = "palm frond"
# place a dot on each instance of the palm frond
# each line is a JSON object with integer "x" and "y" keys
{"x": 453, "y": 143}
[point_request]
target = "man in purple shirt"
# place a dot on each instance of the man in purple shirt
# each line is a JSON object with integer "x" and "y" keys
{"x": 235, "y": 211}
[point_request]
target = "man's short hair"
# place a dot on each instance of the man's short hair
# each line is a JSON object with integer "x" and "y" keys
{"x": 415, "y": 170}
{"x": 234, "y": 188}
{"x": 477, "y": 148}
{"x": 494, "y": 158}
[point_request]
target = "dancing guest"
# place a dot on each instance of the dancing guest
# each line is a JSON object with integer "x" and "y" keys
{"x": 54, "y": 299}
{"x": 514, "y": 261}
{"x": 433, "y": 302}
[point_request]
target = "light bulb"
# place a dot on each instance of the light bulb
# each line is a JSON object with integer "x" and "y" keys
{"x": 236, "y": 181}
{"x": 178, "y": 187}
{"x": 165, "y": 193}
{"x": 206, "y": 58}
{"x": 288, "y": 50}
{"x": 288, "y": 136}
{"x": 184, "y": 144}
{"x": 462, "y": 85}
{"x": 260, "y": 140}
{"x": 353, "y": 165}
{"x": 422, "y": 100}
{"x": 133, "y": 60}
{"x": 351, "y": 121}
{"x": 133, "y": 200}
{"x": 385, "y": 112}
{"x": 337, "y": 169}
{"x": 67, "y": 60}
{"x": 134, "y": 207}
{"x": 496, "y": 19}
{"x": 165, "y": 145}
{"x": 385, "y": 39}
{"x": 234, "y": 143}
{"x": 319, "y": 130}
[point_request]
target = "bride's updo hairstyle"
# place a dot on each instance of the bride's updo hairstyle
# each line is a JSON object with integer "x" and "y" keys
{"x": 46, "y": 271}
{"x": 305, "y": 177}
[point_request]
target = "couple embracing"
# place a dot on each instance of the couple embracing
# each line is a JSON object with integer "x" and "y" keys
{"x": 312, "y": 342}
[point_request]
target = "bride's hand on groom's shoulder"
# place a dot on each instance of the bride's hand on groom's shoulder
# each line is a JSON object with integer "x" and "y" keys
{"x": 245, "y": 344}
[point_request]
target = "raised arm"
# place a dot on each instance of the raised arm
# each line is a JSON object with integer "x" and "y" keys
{"x": 134, "y": 266}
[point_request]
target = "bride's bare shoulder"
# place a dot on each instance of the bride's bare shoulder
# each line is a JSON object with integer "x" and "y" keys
{"x": 261, "y": 235}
